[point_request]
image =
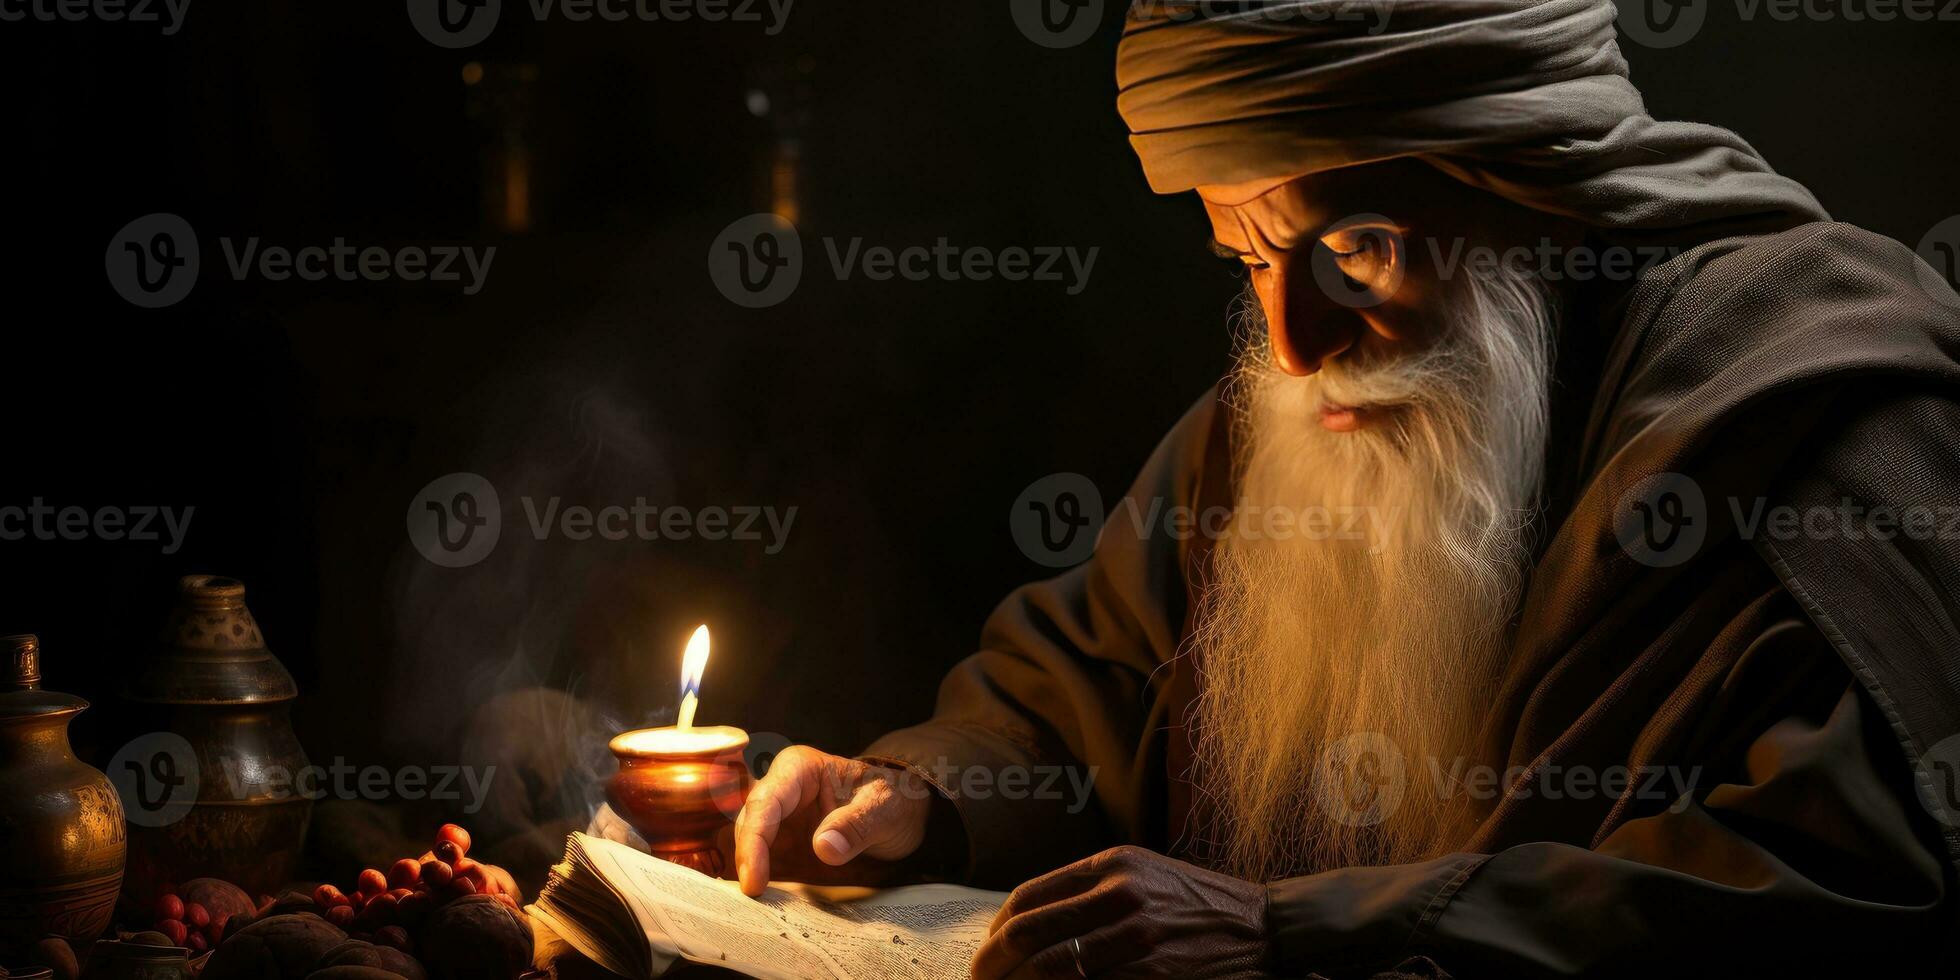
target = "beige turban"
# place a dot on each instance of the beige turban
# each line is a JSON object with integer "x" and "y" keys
{"x": 1526, "y": 98}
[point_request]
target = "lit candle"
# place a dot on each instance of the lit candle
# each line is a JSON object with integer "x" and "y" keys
{"x": 680, "y": 786}
{"x": 693, "y": 663}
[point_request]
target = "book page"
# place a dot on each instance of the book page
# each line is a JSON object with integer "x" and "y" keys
{"x": 796, "y": 932}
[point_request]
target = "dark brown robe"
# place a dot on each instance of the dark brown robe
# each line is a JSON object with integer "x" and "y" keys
{"x": 1801, "y": 682}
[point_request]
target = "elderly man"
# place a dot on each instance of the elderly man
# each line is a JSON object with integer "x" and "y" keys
{"x": 1566, "y": 701}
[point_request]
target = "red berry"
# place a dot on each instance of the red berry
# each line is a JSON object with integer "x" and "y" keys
{"x": 341, "y": 915}
{"x": 379, "y": 911}
{"x": 449, "y": 852}
{"x": 174, "y": 929}
{"x": 197, "y": 942}
{"x": 436, "y": 873}
{"x": 455, "y": 835}
{"x": 405, "y": 873}
{"x": 170, "y": 907}
{"x": 327, "y": 896}
{"x": 196, "y": 916}
{"x": 413, "y": 907}
{"x": 372, "y": 882}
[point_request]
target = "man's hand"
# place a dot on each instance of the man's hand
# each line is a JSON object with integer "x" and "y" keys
{"x": 1136, "y": 913}
{"x": 838, "y": 808}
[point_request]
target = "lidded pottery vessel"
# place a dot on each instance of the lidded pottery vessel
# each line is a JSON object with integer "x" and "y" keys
{"x": 61, "y": 823}
{"x": 212, "y": 704}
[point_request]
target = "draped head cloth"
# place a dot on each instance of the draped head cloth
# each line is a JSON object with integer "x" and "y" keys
{"x": 1528, "y": 99}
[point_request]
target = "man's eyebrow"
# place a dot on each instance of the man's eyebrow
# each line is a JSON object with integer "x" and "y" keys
{"x": 1223, "y": 250}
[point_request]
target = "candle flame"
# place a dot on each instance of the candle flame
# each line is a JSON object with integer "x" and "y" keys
{"x": 693, "y": 663}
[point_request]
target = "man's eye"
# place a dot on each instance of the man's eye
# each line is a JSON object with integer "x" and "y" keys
{"x": 1366, "y": 255}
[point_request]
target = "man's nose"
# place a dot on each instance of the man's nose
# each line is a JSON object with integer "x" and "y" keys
{"x": 1303, "y": 324}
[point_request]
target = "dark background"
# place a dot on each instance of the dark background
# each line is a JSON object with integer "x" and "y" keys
{"x": 600, "y": 364}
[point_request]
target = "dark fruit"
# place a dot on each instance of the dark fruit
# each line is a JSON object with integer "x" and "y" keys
{"x": 153, "y": 938}
{"x": 437, "y": 873}
{"x": 173, "y": 929}
{"x": 414, "y": 907}
{"x": 276, "y": 946}
{"x": 342, "y": 916}
{"x": 353, "y": 952}
{"x": 219, "y": 897}
{"x": 327, "y": 896}
{"x": 196, "y": 916}
{"x": 378, "y": 912}
{"x": 235, "y": 923}
{"x": 372, "y": 882}
{"x": 353, "y": 973}
{"x": 449, "y": 852}
{"x": 292, "y": 902}
{"x": 55, "y": 954}
{"x": 169, "y": 907}
{"x": 476, "y": 936}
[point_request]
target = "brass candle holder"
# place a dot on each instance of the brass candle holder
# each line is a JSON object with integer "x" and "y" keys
{"x": 680, "y": 788}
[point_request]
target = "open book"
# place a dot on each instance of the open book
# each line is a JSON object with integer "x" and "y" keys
{"x": 635, "y": 915}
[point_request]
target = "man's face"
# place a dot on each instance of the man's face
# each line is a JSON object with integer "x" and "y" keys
{"x": 1360, "y": 264}
{"x": 1409, "y": 405}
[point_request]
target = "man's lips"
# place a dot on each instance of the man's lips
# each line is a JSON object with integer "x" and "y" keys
{"x": 1340, "y": 418}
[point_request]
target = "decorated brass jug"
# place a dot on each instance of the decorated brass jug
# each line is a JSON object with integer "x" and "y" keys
{"x": 61, "y": 826}
{"x": 211, "y": 791}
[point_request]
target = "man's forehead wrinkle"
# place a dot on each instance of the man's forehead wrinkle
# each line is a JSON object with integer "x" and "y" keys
{"x": 1282, "y": 220}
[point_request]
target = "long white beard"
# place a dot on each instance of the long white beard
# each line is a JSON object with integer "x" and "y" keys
{"x": 1339, "y": 667}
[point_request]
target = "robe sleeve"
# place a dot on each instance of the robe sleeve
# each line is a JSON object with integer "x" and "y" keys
{"x": 1812, "y": 862}
{"x": 1036, "y": 738}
